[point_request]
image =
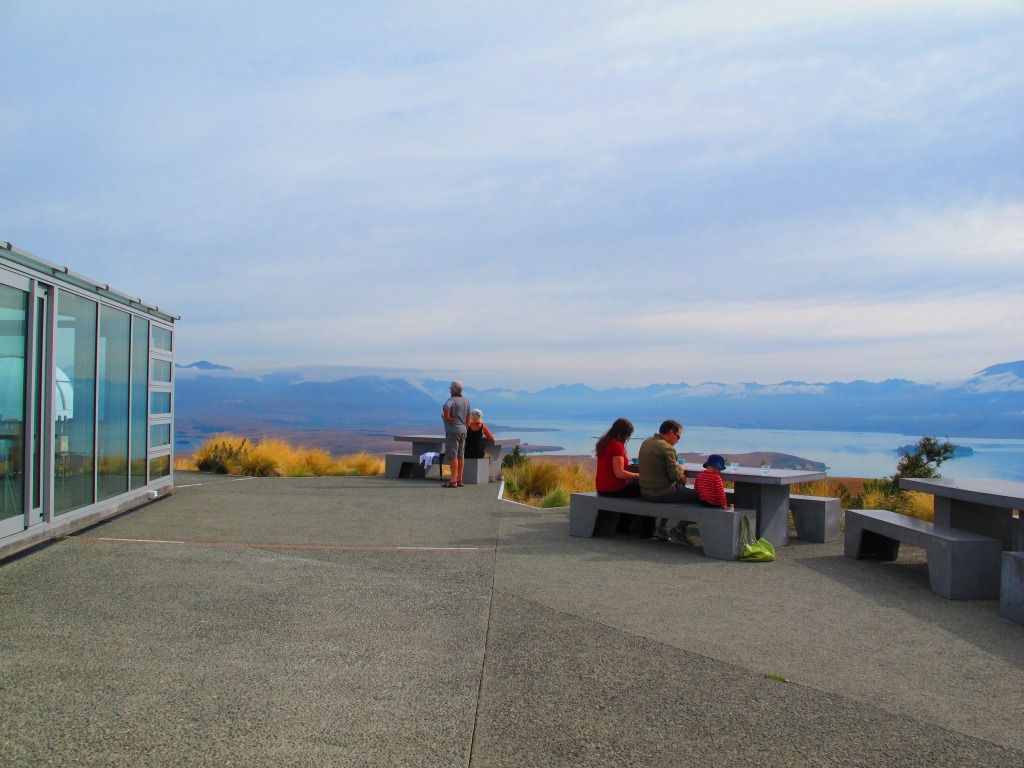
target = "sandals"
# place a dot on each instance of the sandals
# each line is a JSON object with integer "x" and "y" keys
{"x": 451, "y": 485}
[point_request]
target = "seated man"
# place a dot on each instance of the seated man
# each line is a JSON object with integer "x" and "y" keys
{"x": 662, "y": 479}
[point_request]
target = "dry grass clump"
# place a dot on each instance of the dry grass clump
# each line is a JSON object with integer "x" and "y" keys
{"x": 913, "y": 503}
{"x": 271, "y": 457}
{"x": 826, "y": 487}
{"x": 359, "y": 464}
{"x": 543, "y": 484}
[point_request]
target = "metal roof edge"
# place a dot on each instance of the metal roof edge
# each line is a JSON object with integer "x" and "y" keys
{"x": 43, "y": 266}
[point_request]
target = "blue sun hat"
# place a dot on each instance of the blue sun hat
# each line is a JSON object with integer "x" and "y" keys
{"x": 716, "y": 461}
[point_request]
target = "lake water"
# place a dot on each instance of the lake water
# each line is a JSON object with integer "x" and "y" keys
{"x": 847, "y": 454}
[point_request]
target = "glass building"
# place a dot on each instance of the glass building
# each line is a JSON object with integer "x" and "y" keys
{"x": 86, "y": 400}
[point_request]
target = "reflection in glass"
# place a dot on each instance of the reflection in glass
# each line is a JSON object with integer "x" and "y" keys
{"x": 159, "y": 434}
{"x": 161, "y": 370}
{"x": 160, "y": 402}
{"x": 140, "y": 386}
{"x": 161, "y": 338}
{"x": 74, "y": 402}
{"x": 159, "y": 466}
{"x": 112, "y": 404}
{"x": 13, "y": 314}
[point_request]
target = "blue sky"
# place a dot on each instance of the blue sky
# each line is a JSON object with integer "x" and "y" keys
{"x": 527, "y": 193}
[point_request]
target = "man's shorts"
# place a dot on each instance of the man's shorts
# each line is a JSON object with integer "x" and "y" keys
{"x": 454, "y": 445}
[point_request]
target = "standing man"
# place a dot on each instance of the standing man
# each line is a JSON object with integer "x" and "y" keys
{"x": 455, "y": 414}
{"x": 663, "y": 480}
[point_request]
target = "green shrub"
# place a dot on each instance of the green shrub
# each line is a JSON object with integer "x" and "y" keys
{"x": 515, "y": 459}
{"x": 559, "y": 497}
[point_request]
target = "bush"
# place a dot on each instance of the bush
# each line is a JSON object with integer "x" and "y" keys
{"x": 535, "y": 482}
{"x": 559, "y": 497}
{"x": 514, "y": 459}
{"x": 271, "y": 457}
{"x": 827, "y": 487}
{"x": 534, "y": 479}
{"x": 359, "y": 464}
{"x": 221, "y": 454}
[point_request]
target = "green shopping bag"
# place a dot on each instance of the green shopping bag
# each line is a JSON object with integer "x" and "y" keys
{"x": 751, "y": 549}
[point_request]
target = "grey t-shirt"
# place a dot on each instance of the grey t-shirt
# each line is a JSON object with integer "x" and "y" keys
{"x": 458, "y": 408}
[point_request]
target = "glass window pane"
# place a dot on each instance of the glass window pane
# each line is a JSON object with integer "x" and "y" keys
{"x": 140, "y": 386}
{"x": 161, "y": 338}
{"x": 112, "y": 404}
{"x": 160, "y": 402}
{"x": 74, "y": 404}
{"x": 13, "y": 327}
{"x": 159, "y": 434}
{"x": 161, "y": 370}
{"x": 159, "y": 467}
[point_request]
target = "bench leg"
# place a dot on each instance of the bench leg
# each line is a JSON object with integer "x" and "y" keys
{"x": 818, "y": 522}
{"x": 860, "y": 543}
{"x": 965, "y": 570}
{"x": 720, "y": 535}
{"x": 392, "y": 467}
{"x": 582, "y": 519}
{"x": 1011, "y": 591}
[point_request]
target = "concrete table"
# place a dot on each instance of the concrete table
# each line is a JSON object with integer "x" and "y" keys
{"x": 990, "y": 508}
{"x": 494, "y": 451}
{"x": 766, "y": 492}
{"x": 981, "y": 506}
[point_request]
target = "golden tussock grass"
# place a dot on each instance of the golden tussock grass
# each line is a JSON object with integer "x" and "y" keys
{"x": 546, "y": 484}
{"x": 272, "y": 457}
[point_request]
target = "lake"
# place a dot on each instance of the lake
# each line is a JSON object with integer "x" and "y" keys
{"x": 847, "y": 454}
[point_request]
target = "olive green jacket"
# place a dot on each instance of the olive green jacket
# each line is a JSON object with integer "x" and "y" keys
{"x": 659, "y": 468}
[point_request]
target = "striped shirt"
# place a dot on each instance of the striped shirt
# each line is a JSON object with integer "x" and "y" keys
{"x": 711, "y": 489}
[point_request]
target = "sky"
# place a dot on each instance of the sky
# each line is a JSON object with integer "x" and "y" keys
{"x": 530, "y": 193}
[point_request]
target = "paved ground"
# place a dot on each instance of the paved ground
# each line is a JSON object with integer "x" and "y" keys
{"x": 367, "y": 622}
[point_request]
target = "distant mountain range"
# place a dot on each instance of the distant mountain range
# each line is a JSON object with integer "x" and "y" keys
{"x": 988, "y": 404}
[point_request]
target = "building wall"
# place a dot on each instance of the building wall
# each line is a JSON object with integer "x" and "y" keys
{"x": 86, "y": 401}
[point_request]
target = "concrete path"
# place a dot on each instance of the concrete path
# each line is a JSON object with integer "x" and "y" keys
{"x": 366, "y": 622}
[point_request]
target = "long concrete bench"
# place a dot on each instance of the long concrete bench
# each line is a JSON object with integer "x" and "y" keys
{"x": 719, "y": 528}
{"x": 405, "y": 465}
{"x": 816, "y": 517}
{"x": 961, "y": 565}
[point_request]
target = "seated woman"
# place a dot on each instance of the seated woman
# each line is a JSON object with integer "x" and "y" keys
{"x": 476, "y": 433}
{"x": 613, "y": 478}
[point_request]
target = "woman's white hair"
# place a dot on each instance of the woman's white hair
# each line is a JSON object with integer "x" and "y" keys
{"x": 476, "y": 415}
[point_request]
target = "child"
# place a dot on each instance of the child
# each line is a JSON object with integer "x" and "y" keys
{"x": 709, "y": 485}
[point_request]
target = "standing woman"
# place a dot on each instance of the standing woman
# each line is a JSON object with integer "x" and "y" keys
{"x": 613, "y": 479}
{"x": 455, "y": 414}
{"x": 476, "y": 433}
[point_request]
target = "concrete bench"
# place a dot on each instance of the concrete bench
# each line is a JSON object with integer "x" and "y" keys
{"x": 405, "y": 465}
{"x": 1011, "y": 591}
{"x": 816, "y": 517}
{"x": 961, "y": 565}
{"x": 719, "y": 528}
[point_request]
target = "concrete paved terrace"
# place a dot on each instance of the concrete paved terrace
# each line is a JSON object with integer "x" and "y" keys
{"x": 367, "y": 622}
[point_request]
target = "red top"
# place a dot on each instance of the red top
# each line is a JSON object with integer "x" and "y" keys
{"x": 606, "y": 480}
{"x": 710, "y": 488}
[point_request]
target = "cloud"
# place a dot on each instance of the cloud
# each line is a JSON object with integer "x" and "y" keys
{"x": 999, "y": 382}
{"x": 611, "y": 192}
